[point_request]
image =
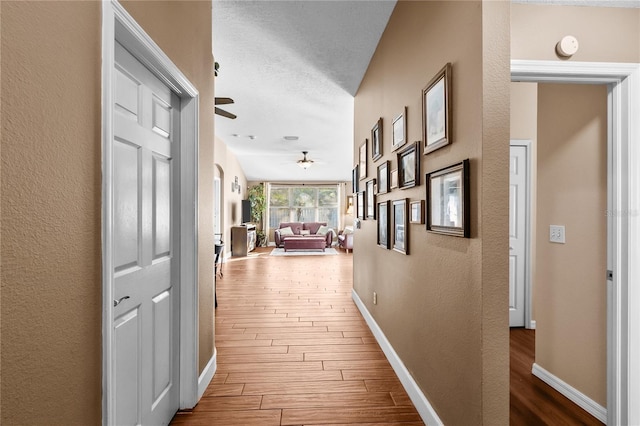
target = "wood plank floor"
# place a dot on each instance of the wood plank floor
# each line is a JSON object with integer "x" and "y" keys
{"x": 293, "y": 349}
{"x": 532, "y": 401}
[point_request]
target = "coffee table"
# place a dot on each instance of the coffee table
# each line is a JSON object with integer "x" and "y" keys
{"x": 311, "y": 242}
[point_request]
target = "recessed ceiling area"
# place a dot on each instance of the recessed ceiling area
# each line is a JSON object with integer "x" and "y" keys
{"x": 293, "y": 68}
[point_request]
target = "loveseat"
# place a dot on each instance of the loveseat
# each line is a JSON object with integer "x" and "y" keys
{"x": 345, "y": 238}
{"x": 297, "y": 229}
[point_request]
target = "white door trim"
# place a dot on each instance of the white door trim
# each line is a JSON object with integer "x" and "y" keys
{"x": 623, "y": 224}
{"x": 527, "y": 233}
{"x": 118, "y": 25}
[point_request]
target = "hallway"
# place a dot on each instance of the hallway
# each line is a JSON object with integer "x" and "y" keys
{"x": 293, "y": 349}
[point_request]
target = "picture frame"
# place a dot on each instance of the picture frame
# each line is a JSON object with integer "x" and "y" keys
{"x": 376, "y": 140}
{"x": 383, "y": 178}
{"x": 354, "y": 179}
{"x": 393, "y": 179}
{"x": 362, "y": 161}
{"x": 371, "y": 199}
{"x": 360, "y": 205}
{"x": 448, "y": 209}
{"x": 416, "y": 212}
{"x": 436, "y": 111}
{"x": 401, "y": 226}
{"x": 399, "y": 130}
{"x": 383, "y": 225}
{"x": 409, "y": 166}
{"x": 349, "y": 209}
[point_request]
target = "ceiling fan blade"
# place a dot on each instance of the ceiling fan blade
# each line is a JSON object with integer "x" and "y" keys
{"x": 224, "y": 113}
{"x": 223, "y": 101}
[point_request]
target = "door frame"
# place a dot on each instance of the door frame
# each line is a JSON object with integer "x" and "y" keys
{"x": 623, "y": 218}
{"x": 528, "y": 323}
{"x": 118, "y": 25}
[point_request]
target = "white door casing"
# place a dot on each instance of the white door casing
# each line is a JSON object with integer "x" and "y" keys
{"x": 623, "y": 219}
{"x": 118, "y": 25}
{"x": 146, "y": 250}
{"x": 518, "y": 244}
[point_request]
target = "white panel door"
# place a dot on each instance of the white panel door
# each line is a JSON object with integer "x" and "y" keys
{"x": 145, "y": 358}
{"x": 517, "y": 234}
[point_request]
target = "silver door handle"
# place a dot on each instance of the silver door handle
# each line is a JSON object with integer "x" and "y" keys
{"x": 117, "y": 302}
{"x": 510, "y": 248}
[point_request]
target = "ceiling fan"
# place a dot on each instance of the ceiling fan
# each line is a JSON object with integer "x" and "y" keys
{"x": 305, "y": 163}
{"x": 219, "y": 111}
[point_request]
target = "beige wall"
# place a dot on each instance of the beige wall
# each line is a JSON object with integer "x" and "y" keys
{"x": 51, "y": 198}
{"x": 444, "y": 306}
{"x": 228, "y": 168}
{"x": 570, "y": 292}
{"x": 605, "y": 34}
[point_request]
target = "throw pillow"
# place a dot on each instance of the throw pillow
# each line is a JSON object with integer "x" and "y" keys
{"x": 286, "y": 231}
{"x": 305, "y": 232}
{"x": 348, "y": 230}
{"x": 323, "y": 230}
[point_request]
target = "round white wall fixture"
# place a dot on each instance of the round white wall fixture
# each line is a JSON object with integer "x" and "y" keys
{"x": 567, "y": 47}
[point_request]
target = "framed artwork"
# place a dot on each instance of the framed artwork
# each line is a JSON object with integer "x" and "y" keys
{"x": 409, "y": 166}
{"x": 376, "y": 140}
{"x": 354, "y": 179}
{"x": 383, "y": 178}
{"x": 362, "y": 161}
{"x": 400, "y": 226}
{"x": 360, "y": 205}
{"x": 436, "y": 111}
{"x": 399, "y": 130}
{"x": 383, "y": 225}
{"x": 416, "y": 211}
{"x": 448, "y": 200}
{"x": 371, "y": 199}
{"x": 349, "y": 209}
{"x": 393, "y": 179}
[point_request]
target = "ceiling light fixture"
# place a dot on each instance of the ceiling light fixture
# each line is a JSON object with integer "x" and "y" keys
{"x": 305, "y": 163}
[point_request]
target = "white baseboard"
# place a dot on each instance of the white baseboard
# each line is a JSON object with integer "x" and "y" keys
{"x": 580, "y": 399}
{"x": 207, "y": 374}
{"x": 426, "y": 411}
{"x": 532, "y": 325}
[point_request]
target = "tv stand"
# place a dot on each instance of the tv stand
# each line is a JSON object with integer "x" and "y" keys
{"x": 243, "y": 239}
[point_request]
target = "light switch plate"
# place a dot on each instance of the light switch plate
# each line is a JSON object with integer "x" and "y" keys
{"x": 556, "y": 234}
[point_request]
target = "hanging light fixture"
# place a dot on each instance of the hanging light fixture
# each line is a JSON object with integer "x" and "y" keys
{"x": 305, "y": 163}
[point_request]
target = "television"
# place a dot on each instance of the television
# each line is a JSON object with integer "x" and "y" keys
{"x": 246, "y": 211}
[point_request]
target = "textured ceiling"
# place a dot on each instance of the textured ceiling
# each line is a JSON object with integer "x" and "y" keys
{"x": 292, "y": 68}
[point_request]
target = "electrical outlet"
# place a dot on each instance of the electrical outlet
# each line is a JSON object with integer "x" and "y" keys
{"x": 375, "y": 298}
{"x": 556, "y": 234}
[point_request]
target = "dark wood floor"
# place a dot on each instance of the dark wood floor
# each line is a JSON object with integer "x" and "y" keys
{"x": 294, "y": 350}
{"x": 532, "y": 401}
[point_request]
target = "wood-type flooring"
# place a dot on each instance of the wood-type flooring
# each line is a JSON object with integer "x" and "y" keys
{"x": 293, "y": 349}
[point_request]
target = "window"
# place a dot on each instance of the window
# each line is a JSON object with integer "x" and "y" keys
{"x": 303, "y": 204}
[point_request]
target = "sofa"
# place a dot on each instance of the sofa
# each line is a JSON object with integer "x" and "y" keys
{"x": 345, "y": 238}
{"x": 299, "y": 229}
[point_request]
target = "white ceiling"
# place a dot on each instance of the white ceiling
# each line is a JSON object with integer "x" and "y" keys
{"x": 293, "y": 68}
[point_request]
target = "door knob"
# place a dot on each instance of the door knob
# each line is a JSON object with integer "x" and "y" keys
{"x": 117, "y": 302}
{"x": 510, "y": 248}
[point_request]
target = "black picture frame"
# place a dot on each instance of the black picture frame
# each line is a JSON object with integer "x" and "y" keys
{"x": 399, "y": 131}
{"x": 360, "y": 205}
{"x": 436, "y": 111}
{"x": 376, "y": 140}
{"x": 354, "y": 180}
{"x": 409, "y": 166}
{"x": 383, "y": 177}
{"x": 448, "y": 209}
{"x": 384, "y": 230}
{"x": 401, "y": 226}
{"x": 416, "y": 212}
{"x": 371, "y": 199}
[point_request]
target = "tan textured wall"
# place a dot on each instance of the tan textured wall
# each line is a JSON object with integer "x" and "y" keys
{"x": 572, "y": 191}
{"x": 182, "y": 29}
{"x": 231, "y": 201}
{"x": 444, "y": 306}
{"x": 51, "y": 283}
{"x": 524, "y": 125}
{"x": 605, "y": 34}
{"x": 51, "y": 198}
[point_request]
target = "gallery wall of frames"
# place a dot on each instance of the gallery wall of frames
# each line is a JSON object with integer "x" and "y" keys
{"x": 445, "y": 208}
